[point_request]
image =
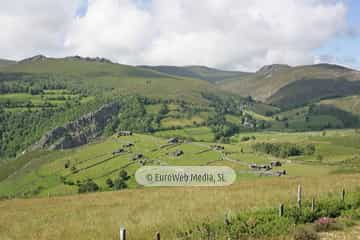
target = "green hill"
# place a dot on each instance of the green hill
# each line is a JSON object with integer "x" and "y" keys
{"x": 40, "y": 94}
{"x": 287, "y": 86}
{"x": 102, "y": 76}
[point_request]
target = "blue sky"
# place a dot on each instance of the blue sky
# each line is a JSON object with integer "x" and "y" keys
{"x": 346, "y": 47}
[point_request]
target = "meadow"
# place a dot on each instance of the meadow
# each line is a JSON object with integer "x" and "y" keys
{"x": 147, "y": 210}
{"x": 51, "y": 213}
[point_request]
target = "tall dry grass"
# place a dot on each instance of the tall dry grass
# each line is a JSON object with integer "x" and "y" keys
{"x": 145, "y": 211}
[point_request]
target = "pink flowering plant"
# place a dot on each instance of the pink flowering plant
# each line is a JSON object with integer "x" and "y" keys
{"x": 325, "y": 224}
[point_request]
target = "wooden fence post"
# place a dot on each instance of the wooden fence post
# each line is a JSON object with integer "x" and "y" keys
{"x": 299, "y": 196}
{"x": 122, "y": 233}
{"x": 157, "y": 236}
{"x": 281, "y": 210}
{"x": 313, "y": 204}
{"x": 343, "y": 195}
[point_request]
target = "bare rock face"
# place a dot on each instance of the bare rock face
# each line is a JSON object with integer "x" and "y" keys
{"x": 79, "y": 132}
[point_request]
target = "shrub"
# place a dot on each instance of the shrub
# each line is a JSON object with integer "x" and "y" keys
{"x": 305, "y": 233}
{"x": 309, "y": 149}
{"x": 124, "y": 175}
{"x": 88, "y": 186}
{"x": 245, "y": 138}
{"x": 67, "y": 164}
{"x": 110, "y": 183}
{"x": 326, "y": 224}
{"x": 119, "y": 184}
{"x": 284, "y": 149}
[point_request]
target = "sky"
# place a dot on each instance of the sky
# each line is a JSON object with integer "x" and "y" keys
{"x": 227, "y": 34}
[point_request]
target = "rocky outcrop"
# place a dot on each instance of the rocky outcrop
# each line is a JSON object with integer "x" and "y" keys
{"x": 79, "y": 132}
{"x": 42, "y": 58}
{"x": 89, "y": 59}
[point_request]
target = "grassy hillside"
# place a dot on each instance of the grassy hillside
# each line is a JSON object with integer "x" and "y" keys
{"x": 58, "y": 172}
{"x": 109, "y": 78}
{"x": 304, "y": 91}
{"x": 349, "y": 104}
{"x": 200, "y": 72}
{"x": 41, "y": 93}
{"x": 277, "y": 83}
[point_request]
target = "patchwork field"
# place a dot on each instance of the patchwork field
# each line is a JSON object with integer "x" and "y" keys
{"x": 51, "y": 215}
{"x": 45, "y": 172}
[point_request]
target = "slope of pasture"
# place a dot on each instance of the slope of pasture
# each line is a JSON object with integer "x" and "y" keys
{"x": 309, "y": 90}
{"x": 42, "y": 175}
{"x": 97, "y": 162}
{"x": 333, "y": 145}
{"x": 320, "y": 115}
{"x": 110, "y": 78}
{"x": 349, "y": 104}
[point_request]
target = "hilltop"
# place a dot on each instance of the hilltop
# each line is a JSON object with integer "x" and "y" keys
{"x": 289, "y": 87}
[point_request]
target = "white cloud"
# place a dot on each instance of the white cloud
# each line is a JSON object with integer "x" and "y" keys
{"x": 32, "y": 27}
{"x": 242, "y": 34}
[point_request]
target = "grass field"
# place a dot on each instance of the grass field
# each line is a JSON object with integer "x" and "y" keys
{"x": 50, "y": 214}
{"x": 41, "y": 175}
{"x": 50, "y": 98}
{"x": 145, "y": 211}
{"x": 350, "y": 103}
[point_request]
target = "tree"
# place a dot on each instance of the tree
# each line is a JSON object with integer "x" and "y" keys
{"x": 119, "y": 184}
{"x": 88, "y": 186}
{"x": 124, "y": 175}
{"x": 110, "y": 183}
{"x": 120, "y": 181}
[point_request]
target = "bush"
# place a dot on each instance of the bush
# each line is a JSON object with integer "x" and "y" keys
{"x": 88, "y": 186}
{"x": 301, "y": 216}
{"x": 110, "y": 183}
{"x": 284, "y": 150}
{"x": 326, "y": 224}
{"x": 124, "y": 175}
{"x": 245, "y": 139}
{"x": 305, "y": 233}
{"x": 120, "y": 181}
{"x": 119, "y": 184}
